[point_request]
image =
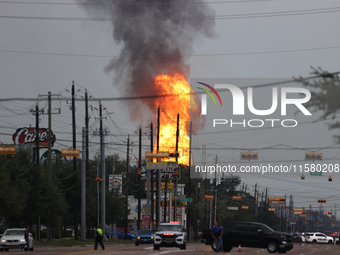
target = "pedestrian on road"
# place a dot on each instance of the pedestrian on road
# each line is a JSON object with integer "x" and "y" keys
{"x": 217, "y": 233}
{"x": 27, "y": 240}
{"x": 99, "y": 238}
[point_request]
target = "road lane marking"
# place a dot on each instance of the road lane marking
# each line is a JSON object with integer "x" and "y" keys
{"x": 87, "y": 251}
{"x": 148, "y": 248}
{"x": 313, "y": 251}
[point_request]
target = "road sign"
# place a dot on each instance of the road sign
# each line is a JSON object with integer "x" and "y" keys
{"x": 165, "y": 168}
{"x": 316, "y": 173}
{"x": 186, "y": 200}
{"x": 179, "y": 197}
{"x": 232, "y": 208}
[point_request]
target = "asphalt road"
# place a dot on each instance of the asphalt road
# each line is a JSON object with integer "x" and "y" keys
{"x": 192, "y": 248}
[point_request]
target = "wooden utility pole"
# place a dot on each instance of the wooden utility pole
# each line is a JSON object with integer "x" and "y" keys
{"x": 189, "y": 188}
{"x": 75, "y": 165}
{"x": 139, "y": 177}
{"x": 127, "y": 187}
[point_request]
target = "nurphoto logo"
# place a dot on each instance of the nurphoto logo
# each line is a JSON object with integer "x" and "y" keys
{"x": 238, "y": 105}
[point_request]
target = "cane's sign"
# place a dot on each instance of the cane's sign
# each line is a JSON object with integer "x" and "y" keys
{"x": 28, "y": 136}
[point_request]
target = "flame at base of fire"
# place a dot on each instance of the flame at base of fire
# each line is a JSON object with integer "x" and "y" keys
{"x": 181, "y": 103}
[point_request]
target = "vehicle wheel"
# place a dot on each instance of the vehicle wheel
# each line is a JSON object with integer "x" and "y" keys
{"x": 1, "y": 249}
{"x": 6, "y": 249}
{"x": 314, "y": 241}
{"x": 136, "y": 244}
{"x": 227, "y": 248}
{"x": 32, "y": 249}
{"x": 213, "y": 246}
{"x": 155, "y": 247}
{"x": 330, "y": 242}
{"x": 272, "y": 246}
{"x": 184, "y": 246}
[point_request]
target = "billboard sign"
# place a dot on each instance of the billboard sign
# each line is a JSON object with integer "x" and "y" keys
{"x": 28, "y": 136}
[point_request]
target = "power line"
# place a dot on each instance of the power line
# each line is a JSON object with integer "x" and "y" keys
{"x": 232, "y": 16}
{"x": 165, "y": 95}
{"x": 193, "y": 55}
{"x": 127, "y": 3}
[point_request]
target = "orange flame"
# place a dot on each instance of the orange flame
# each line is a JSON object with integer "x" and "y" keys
{"x": 170, "y": 106}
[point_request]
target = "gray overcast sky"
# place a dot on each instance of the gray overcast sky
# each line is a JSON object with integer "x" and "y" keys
{"x": 41, "y": 55}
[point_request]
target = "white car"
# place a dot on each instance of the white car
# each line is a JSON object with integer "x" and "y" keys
{"x": 169, "y": 235}
{"x": 14, "y": 238}
{"x": 318, "y": 238}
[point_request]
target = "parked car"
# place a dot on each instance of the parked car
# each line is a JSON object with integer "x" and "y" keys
{"x": 144, "y": 236}
{"x": 14, "y": 238}
{"x": 318, "y": 238}
{"x": 121, "y": 234}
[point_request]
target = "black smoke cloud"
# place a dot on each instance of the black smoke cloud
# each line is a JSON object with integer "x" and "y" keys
{"x": 156, "y": 37}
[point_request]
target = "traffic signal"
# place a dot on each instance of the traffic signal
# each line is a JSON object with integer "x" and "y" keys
{"x": 329, "y": 213}
{"x": 321, "y": 200}
{"x": 160, "y": 154}
{"x": 98, "y": 179}
{"x": 174, "y": 154}
{"x": 304, "y": 213}
{"x": 208, "y": 197}
{"x": 249, "y": 156}
{"x": 7, "y": 149}
{"x": 313, "y": 156}
{"x": 237, "y": 198}
{"x": 70, "y": 153}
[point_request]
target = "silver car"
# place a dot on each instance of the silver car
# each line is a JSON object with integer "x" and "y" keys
{"x": 14, "y": 238}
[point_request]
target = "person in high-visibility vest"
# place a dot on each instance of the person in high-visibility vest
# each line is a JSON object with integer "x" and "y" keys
{"x": 99, "y": 238}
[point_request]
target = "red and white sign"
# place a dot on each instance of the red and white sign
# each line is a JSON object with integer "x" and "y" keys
{"x": 28, "y": 136}
{"x": 146, "y": 219}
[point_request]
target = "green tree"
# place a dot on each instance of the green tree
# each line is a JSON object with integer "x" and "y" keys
{"x": 324, "y": 95}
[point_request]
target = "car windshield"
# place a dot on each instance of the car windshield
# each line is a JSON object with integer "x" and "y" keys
{"x": 266, "y": 228}
{"x": 145, "y": 232}
{"x": 14, "y": 233}
{"x": 169, "y": 228}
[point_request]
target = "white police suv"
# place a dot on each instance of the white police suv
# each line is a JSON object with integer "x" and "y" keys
{"x": 318, "y": 238}
{"x": 170, "y": 235}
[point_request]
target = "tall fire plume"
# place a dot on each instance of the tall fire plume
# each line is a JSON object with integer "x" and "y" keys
{"x": 156, "y": 36}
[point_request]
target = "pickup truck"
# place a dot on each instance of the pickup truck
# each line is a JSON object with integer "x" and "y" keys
{"x": 252, "y": 234}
